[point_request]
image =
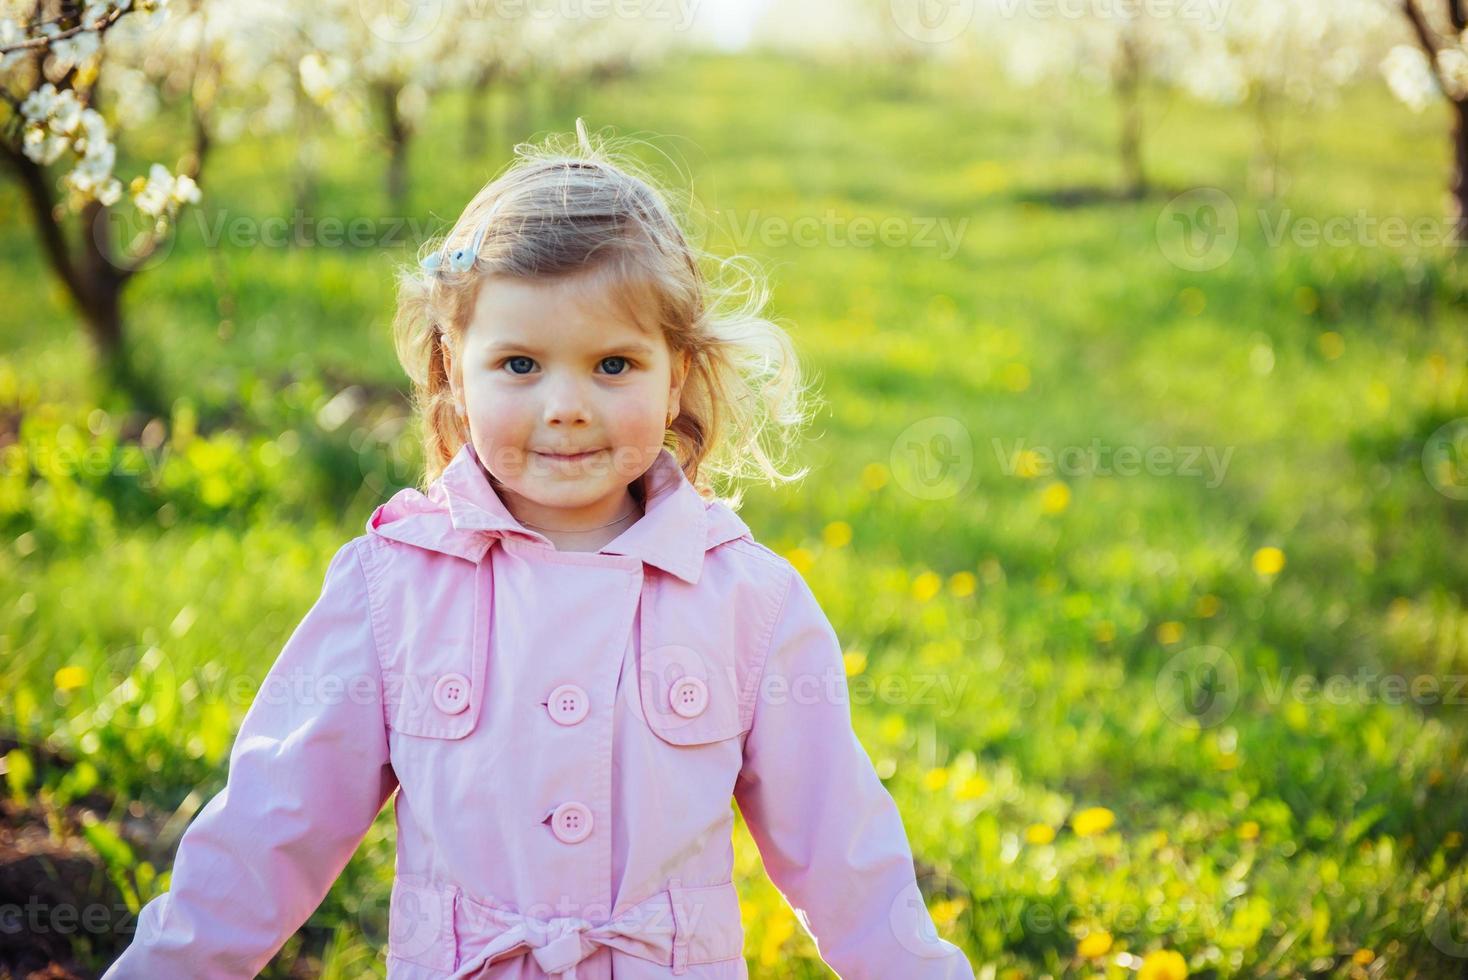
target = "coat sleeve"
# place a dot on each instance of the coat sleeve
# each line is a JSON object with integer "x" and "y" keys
{"x": 308, "y": 773}
{"x": 829, "y": 833}
{"x": 827, "y": 829}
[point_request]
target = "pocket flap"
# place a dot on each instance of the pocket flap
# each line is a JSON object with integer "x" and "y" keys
{"x": 444, "y": 704}
{"x": 687, "y": 698}
{"x": 441, "y": 691}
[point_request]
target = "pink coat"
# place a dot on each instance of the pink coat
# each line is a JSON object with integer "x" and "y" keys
{"x": 565, "y": 731}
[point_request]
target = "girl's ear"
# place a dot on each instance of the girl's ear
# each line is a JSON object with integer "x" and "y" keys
{"x": 681, "y": 363}
{"x": 448, "y": 368}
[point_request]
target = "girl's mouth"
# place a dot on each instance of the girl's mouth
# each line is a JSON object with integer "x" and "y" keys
{"x": 569, "y": 458}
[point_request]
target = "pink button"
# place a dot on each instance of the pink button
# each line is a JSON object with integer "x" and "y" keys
{"x": 571, "y": 822}
{"x": 451, "y": 693}
{"x": 568, "y": 704}
{"x": 689, "y": 696}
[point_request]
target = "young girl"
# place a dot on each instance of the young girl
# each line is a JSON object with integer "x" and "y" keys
{"x": 564, "y": 654}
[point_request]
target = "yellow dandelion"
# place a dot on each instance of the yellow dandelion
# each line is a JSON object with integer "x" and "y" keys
{"x": 856, "y": 662}
{"x": 972, "y": 788}
{"x": 837, "y": 534}
{"x": 926, "y": 585}
{"x": 1093, "y": 820}
{"x": 801, "y": 558}
{"x": 935, "y": 779}
{"x": 963, "y": 583}
{"x": 777, "y": 930}
{"x": 1363, "y": 956}
{"x": 1029, "y": 465}
{"x": 1163, "y": 964}
{"x": 1039, "y": 833}
{"x": 1207, "y": 606}
{"x": 874, "y": 476}
{"x": 70, "y": 678}
{"x": 1055, "y": 498}
{"x": 986, "y": 177}
{"x": 1095, "y": 944}
{"x": 1249, "y": 830}
{"x": 1169, "y": 632}
{"x": 1268, "y": 560}
{"x": 945, "y": 912}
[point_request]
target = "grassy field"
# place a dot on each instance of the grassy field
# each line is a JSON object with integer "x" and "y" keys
{"x": 1077, "y": 806}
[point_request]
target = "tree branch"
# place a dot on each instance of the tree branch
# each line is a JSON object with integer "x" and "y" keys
{"x": 43, "y": 208}
{"x": 46, "y": 40}
{"x": 1427, "y": 38}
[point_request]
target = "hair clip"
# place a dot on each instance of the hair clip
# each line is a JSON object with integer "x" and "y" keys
{"x": 461, "y": 259}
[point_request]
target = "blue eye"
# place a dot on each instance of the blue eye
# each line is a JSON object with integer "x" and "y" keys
{"x": 626, "y": 365}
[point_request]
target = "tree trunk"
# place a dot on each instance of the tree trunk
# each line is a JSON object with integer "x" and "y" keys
{"x": 397, "y": 140}
{"x": 94, "y": 280}
{"x": 1266, "y": 154}
{"x": 305, "y": 178}
{"x": 105, "y": 274}
{"x": 1128, "y": 90}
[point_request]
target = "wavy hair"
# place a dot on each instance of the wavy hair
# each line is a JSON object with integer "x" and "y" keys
{"x": 568, "y": 208}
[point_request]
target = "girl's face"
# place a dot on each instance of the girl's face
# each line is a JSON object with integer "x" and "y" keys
{"x": 567, "y": 401}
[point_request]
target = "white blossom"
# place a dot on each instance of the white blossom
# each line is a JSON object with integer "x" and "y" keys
{"x": 1409, "y": 76}
{"x": 163, "y": 192}
{"x": 38, "y": 105}
{"x": 10, "y": 34}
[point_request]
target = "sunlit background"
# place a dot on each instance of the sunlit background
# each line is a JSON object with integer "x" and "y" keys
{"x": 1138, "y": 498}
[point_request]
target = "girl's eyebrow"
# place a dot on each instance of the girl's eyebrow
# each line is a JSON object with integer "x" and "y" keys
{"x": 636, "y": 347}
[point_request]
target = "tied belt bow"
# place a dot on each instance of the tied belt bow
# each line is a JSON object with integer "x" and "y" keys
{"x": 655, "y": 929}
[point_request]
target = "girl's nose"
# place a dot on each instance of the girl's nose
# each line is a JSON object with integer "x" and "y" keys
{"x": 565, "y": 403}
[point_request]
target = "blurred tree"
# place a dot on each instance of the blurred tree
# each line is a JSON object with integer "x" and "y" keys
{"x": 1438, "y": 64}
{"x": 1121, "y": 48}
{"x": 51, "y": 61}
{"x": 1271, "y": 55}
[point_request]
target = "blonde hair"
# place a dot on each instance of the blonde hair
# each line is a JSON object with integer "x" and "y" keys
{"x": 565, "y": 210}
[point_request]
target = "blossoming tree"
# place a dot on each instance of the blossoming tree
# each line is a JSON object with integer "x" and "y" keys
{"x": 50, "y": 62}
{"x": 1436, "y": 65}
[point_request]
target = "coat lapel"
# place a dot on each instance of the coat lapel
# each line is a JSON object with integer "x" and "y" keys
{"x": 462, "y": 515}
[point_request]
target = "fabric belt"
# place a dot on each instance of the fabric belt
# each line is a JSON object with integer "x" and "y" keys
{"x": 659, "y": 929}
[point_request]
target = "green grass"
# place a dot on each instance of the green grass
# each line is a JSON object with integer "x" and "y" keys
{"x": 1279, "y": 839}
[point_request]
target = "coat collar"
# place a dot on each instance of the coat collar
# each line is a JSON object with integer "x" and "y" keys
{"x": 462, "y": 515}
